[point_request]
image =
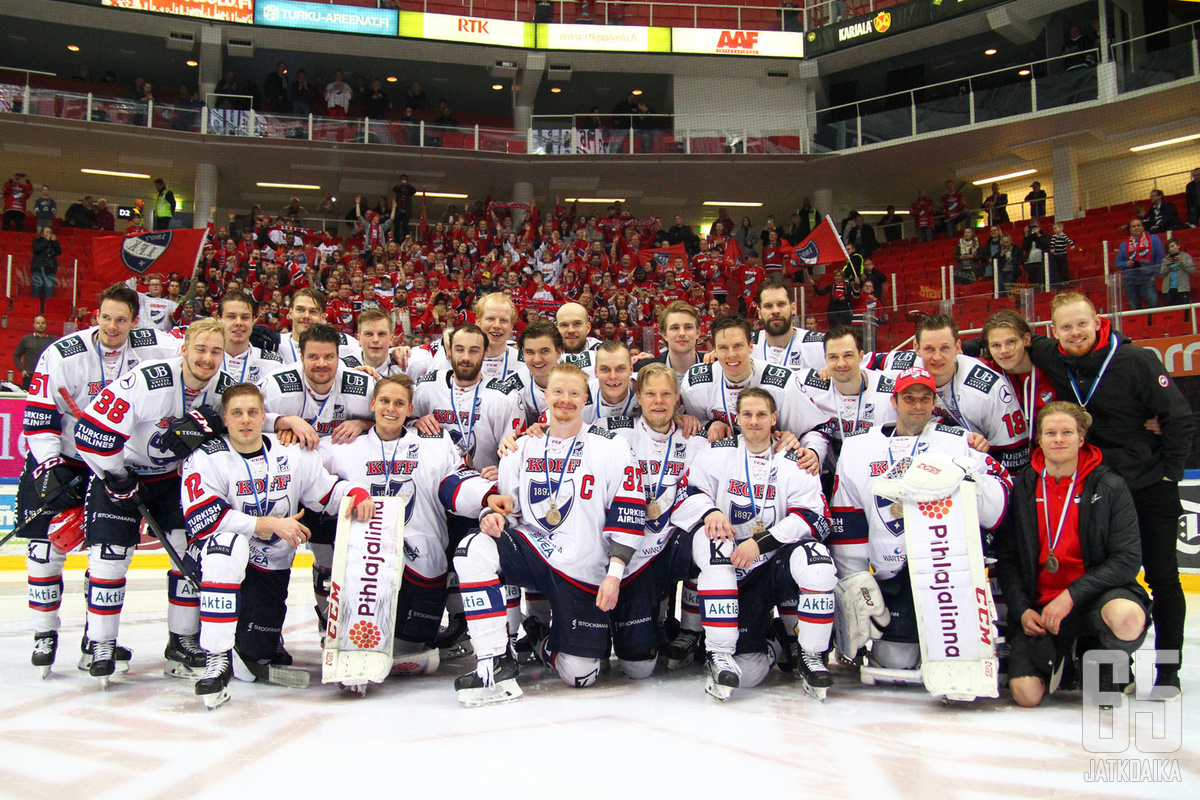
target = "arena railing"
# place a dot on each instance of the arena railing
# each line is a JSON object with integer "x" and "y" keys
{"x": 1052, "y": 83}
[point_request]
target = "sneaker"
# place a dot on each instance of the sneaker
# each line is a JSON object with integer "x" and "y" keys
{"x": 1166, "y": 685}
{"x": 683, "y": 649}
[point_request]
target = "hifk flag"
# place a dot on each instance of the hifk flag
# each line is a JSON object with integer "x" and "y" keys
{"x": 733, "y": 254}
{"x": 423, "y": 228}
{"x": 822, "y": 246}
{"x": 116, "y": 259}
{"x": 663, "y": 257}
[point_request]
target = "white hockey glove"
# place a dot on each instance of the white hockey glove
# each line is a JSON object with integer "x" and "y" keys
{"x": 927, "y": 477}
{"x": 859, "y": 613}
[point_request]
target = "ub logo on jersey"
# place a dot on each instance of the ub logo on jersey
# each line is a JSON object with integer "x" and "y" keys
{"x": 139, "y": 253}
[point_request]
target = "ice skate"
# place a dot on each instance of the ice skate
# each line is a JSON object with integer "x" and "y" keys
{"x": 723, "y": 675}
{"x": 683, "y": 649}
{"x": 812, "y": 672}
{"x": 103, "y": 663}
{"x": 213, "y": 685}
{"x": 264, "y": 671}
{"x": 527, "y": 646}
{"x": 121, "y": 655}
{"x": 185, "y": 658}
{"x": 493, "y": 681}
{"x": 784, "y": 647}
{"x": 45, "y": 645}
{"x": 452, "y": 640}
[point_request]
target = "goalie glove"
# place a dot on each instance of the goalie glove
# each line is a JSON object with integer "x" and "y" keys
{"x": 926, "y": 477}
{"x": 58, "y": 486}
{"x": 859, "y": 613}
{"x": 264, "y": 339}
{"x": 187, "y": 433}
{"x": 66, "y": 529}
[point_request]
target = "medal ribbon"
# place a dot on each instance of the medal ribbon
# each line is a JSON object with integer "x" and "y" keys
{"x": 1062, "y": 518}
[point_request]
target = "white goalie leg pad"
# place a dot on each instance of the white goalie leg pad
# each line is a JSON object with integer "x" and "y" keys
{"x": 223, "y": 558}
{"x": 755, "y": 668}
{"x": 951, "y": 596}
{"x": 859, "y": 612}
{"x": 44, "y": 565}
{"x": 578, "y": 672}
{"x": 893, "y": 663}
{"x": 107, "y": 567}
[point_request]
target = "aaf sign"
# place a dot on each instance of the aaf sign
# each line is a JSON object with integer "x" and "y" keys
{"x": 771, "y": 44}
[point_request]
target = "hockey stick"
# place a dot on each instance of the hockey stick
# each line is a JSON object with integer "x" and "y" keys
{"x": 47, "y": 510}
{"x": 190, "y": 574}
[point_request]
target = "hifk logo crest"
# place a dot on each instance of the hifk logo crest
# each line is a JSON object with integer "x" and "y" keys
{"x": 540, "y": 493}
{"x": 139, "y": 253}
{"x": 662, "y": 259}
{"x": 809, "y": 253}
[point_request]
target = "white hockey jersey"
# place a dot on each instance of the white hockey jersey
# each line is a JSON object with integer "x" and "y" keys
{"x": 78, "y": 364}
{"x": 891, "y": 361}
{"x": 806, "y": 349}
{"x": 388, "y": 367}
{"x": 585, "y": 360}
{"x": 664, "y": 459}
{"x": 289, "y": 348}
{"x": 708, "y": 396}
{"x": 477, "y": 417}
{"x": 981, "y": 400}
{"x": 427, "y": 473}
{"x": 595, "y": 484}
{"x": 851, "y": 414}
{"x": 432, "y": 358}
{"x": 865, "y": 526}
{"x": 252, "y": 365}
{"x": 769, "y": 488}
{"x": 124, "y": 425}
{"x": 222, "y": 490}
{"x": 602, "y": 409}
{"x": 156, "y": 312}
{"x": 286, "y": 393}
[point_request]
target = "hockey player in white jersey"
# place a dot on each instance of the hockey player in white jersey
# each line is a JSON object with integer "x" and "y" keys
{"x": 308, "y": 309}
{"x": 971, "y": 394}
{"x": 856, "y": 399}
{"x": 612, "y": 390}
{"x": 576, "y": 514}
{"x": 375, "y": 338}
{"x": 121, "y": 437}
{"x": 868, "y": 530}
{"x": 243, "y": 361}
{"x": 763, "y": 520}
{"x": 428, "y": 472}
{"x": 496, "y": 314}
{"x": 541, "y": 346}
{"x": 664, "y": 452}
{"x": 69, "y": 374}
{"x": 710, "y": 391}
{"x": 317, "y": 398}
{"x": 578, "y": 347}
{"x": 477, "y": 416}
{"x": 243, "y": 495}
{"x": 780, "y": 343}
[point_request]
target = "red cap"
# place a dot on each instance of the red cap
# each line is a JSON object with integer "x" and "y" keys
{"x": 915, "y": 376}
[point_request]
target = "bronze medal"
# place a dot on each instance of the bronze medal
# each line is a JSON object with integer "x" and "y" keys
{"x": 897, "y": 511}
{"x": 758, "y": 528}
{"x": 653, "y": 511}
{"x": 1051, "y": 564}
{"x": 553, "y": 516}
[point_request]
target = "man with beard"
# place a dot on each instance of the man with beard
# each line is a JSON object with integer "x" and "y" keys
{"x": 780, "y": 343}
{"x": 578, "y": 347}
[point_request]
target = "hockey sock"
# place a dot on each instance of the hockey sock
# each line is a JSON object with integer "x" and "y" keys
{"x": 538, "y": 606}
{"x": 813, "y": 571}
{"x": 183, "y": 601}
{"x": 454, "y": 604}
{"x": 107, "y": 566}
{"x": 512, "y": 602}
{"x": 44, "y": 564}
{"x": 477, "y": 562}
{"x": 787, "y": 613}
{"x": 718, "y": 595}
{"x": 223, "y": 569}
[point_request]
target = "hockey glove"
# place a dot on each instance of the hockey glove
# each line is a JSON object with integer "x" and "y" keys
{"x": 58, "y": 485}
{"x": 264, "y": 338}
{"x": 859, "y": 614}
{"x": 66, "y": 529}
{"x": 187, "y": 433}
{"x": 123, "y": 489}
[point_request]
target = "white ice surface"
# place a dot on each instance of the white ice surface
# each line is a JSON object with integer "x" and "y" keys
{"x": 149, "y": 736}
